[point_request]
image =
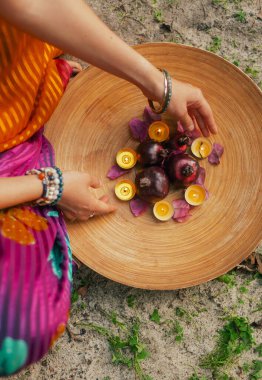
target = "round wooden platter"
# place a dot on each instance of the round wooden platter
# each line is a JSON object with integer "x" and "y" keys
{"x": 91, "y": 124}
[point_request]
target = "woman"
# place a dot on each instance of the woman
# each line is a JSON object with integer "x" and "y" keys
{"x": 35, "y": 256}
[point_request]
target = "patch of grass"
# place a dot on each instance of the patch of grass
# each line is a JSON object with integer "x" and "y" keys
{"x": 256, "y": 373}
{"x": 74, "y": 296}
{"x": 243, "y": 289}
{"x": 155, "y": 317}
{"x": 240, "y": 16}
{"x": 116, "y": 321}
{"x": 224, "y": 3}
{"x": 158, "y": 15}
{"x": 246, "y": 367}
{"x": 176, "y": 329}
{"x": 228, "y": 278}
{"x": 184, "y": 314}
{"x": 236, "y": 63}
{"x": 131, "y": 300}
{"x": 253, "y": 73}
{"x": 234, "y": 338}
{"x": 215, "y": 45}
{"x": 258, "y": 349}
{"x": 258, "y": 307}
{"x": 127, "y": 350}
{"x": 196, "y": 377}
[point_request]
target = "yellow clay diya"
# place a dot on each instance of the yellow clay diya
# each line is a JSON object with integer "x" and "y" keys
{"x": 201, "y": 147}
{"x": 163, "y": 210}
{"x": 158, "y": 131}
{"x": 126, "y": 158}
{"x": 195, "y": 195}
{"x": 125, "y": 190}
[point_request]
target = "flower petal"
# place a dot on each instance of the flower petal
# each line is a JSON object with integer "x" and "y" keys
{"x": 180, "y": 213}
{"x": 214, "y": 157}
{"x": 191, "y": 134}
{"x": 201, "y": 176}
{"x": 149, "y": 116}
{"x": 138, "y": 206}
{"x": 115, "y": 171}
{"x": 181, "y": 210}
{"x": 194, "y": 134}
{"x": 138, "y": 129}
{"x": 183, "y": 219}
{"x": 180, "y": 203}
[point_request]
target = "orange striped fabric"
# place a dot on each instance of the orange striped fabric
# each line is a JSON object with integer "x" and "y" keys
{"x": 30, "y": 87}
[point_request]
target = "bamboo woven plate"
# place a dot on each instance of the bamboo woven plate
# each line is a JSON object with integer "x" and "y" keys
{"x": 91, "y": 125}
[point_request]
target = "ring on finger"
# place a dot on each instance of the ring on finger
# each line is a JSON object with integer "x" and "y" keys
{"x": 92, "y": 215}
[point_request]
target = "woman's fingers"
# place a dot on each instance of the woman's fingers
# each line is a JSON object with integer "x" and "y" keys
{"x": 187, "y": 122}
{"x": 104, "y": 198}
{"x": 94, "y": 182}
{"x": 101, "y": 207}
{"x": 200, "y": 122}
{"x": 69, "y": 215}
{"x": 207, "y": 116}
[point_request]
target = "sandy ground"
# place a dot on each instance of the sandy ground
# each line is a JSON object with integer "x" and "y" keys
{"x": 221, "y": 26}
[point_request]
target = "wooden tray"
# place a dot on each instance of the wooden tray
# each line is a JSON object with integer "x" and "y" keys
{"x": 91, "y": 125}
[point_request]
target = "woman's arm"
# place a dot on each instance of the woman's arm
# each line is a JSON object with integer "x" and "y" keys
{"x": 17, "y": 190}
{"x": 72, "y": 26}
{"x": 77, "y": 199}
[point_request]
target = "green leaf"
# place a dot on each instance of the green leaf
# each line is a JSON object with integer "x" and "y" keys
{"x": 256, "y": 370}
{"x": 234, "y": 338}
{"x": 243, "y": 289}
{"x": 155, "y": 317}
{"x": 142, "y": 355}
{"x": 196, "y": 377}
{"x": 131, "y": 300}
{"x": 115, "y": 321}
{"x": 74, "y": 296}
{"x": 215, "y": 45}
{"x": 228, "y": 278}
{"x": 258, "y": 349}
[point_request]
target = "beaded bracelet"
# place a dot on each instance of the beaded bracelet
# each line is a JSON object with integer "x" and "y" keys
{"x": 167, "y": 94}
{"x": 52, "y": 181}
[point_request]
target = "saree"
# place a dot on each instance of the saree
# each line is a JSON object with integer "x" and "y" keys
{"x": 35, "y": 254}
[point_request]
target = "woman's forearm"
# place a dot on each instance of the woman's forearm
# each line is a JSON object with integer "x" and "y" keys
{"x": 72, "y": 26}
{"x": 17, "y": 190}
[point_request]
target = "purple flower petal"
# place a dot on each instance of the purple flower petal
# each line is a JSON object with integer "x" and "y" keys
{"x": 138, "y": 206}
{"x": 138, "y": 129}
{"x": 201, "y": 176}
{"x": 183, "y": 219}
{"x": 149, "y": 116}
{"x": 214, "y": 157}
{"x": 115, "y": 171}
{"x": 181, "y": 210}
{"x": 191, "y": 134}
{"x": 180, "y": 203}
{"x": 194, "y": 134}
{"x": 180, "y": 213}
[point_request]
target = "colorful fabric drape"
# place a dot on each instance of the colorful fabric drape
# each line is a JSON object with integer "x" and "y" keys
{"x": 35, "y": 255}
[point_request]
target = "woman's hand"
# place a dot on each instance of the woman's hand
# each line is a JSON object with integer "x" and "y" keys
{"x": 78, "y": 202}
{"x": 188, "y": 103}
